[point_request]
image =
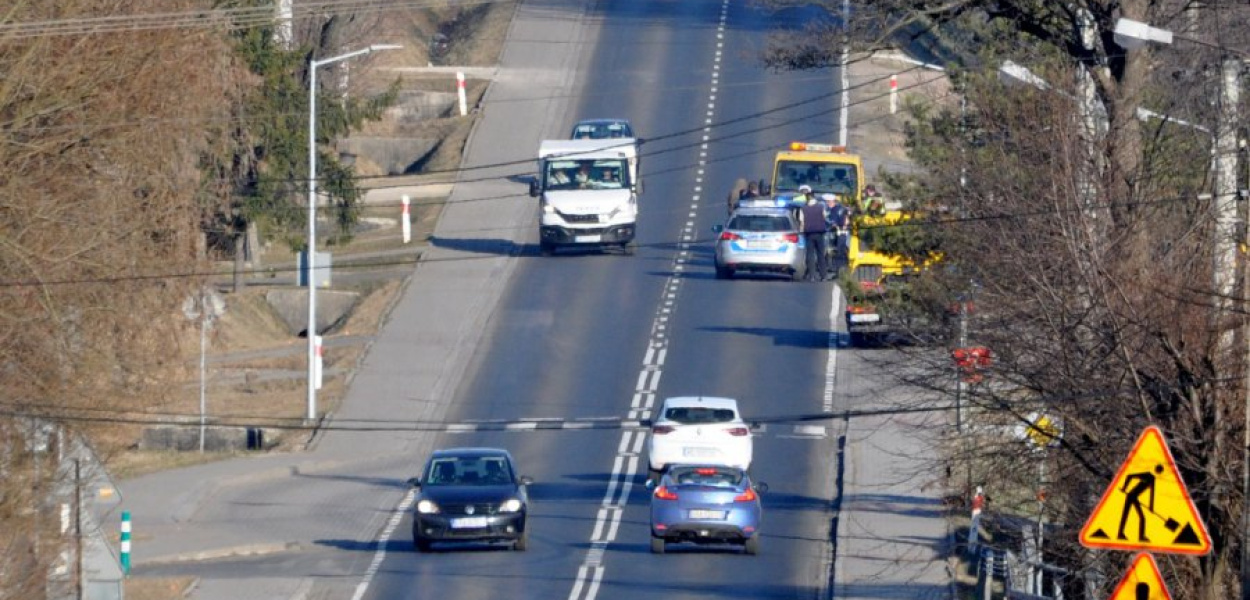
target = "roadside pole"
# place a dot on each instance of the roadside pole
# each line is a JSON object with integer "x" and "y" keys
{"x": 125, "y": 542}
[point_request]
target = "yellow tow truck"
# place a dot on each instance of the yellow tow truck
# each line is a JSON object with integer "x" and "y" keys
{"x": 831, "y": 169}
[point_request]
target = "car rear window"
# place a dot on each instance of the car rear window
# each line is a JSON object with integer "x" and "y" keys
{"x": 699, "y": 414}
{"x": 760, "y": 223}
{"x": 713, "y": 476}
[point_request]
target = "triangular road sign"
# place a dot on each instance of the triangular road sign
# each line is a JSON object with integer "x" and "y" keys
{"x": 1147, "y": 507}
{"x": 1142, "y": 582}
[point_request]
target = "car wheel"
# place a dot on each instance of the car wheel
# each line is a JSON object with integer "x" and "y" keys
{"x": 657, "y": 545}
{"x": 724, "y": 272}
{"x": 523, "y": 542}
{"x": 422, "y": 545}
{"x": 546, "y": 248}
{"x": 752, "y": 545}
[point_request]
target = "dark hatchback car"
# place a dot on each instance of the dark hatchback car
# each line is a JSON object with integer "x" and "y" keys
{"x": 470, "y": 495}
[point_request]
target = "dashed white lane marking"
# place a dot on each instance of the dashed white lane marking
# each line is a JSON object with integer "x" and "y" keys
{"x": 383, "y": 540}
{"x": 625, "y": 464}
{"x": 831, "y": 363}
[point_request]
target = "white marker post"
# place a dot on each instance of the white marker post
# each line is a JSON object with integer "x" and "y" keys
{"x": 464, "y": 105}
{"x": 406, "y": 220}
{"x": 319, "y": 363}
{"x": 893, "y": 94}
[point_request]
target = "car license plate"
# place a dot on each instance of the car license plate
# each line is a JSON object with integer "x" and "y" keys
{"x": 865, "y": 318}
{"x": 759, "y": 244}
{"x": 698, "y": 452}
{"x": 468, "y": 523}
{"x": 707, "y": 515}
{"x": 588, "y": 239}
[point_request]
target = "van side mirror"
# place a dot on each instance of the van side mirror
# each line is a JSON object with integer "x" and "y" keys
{"x": 534, "y": 189}
{"x": 414, "y": 481}
{"x": 526, "y": 480}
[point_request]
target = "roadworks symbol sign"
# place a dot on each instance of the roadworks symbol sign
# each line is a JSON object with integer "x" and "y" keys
{"x": 1147, "y": 507}
{"x": 1142, "y": 582}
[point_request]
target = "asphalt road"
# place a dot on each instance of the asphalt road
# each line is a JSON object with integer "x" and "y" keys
{"x": 581, "y": 334}
{"x": 488, "y": 330}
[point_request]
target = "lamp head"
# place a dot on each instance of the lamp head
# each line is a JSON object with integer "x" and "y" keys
{"x": 1132, "y": 34}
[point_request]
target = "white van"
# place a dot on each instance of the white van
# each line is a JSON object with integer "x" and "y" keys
{"x": 588, "y": 193}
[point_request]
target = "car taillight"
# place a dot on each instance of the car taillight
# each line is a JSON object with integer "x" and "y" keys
{"x": 859, "y": 310}
{"x": 662, "y": 493}
{"x": 729, "y": 236}
{"x": 737, "y": 431}
{"x": 747, "y": 496}
{"x": 661, "y": 430}
{"x": 793, "y": 238}
{"x": 705, "y": 471}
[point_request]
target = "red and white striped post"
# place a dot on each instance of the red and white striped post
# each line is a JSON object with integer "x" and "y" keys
{"x": 893, "y": 94}
{"x": 319, "y": 363}
{"x": 406, "y": 220}
{"x": 464, "y": 106}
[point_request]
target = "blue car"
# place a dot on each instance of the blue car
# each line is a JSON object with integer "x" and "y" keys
{"x": 705, "y": 505}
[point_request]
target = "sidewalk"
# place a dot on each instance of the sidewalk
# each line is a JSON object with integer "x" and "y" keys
{"x": 893, "y": 532}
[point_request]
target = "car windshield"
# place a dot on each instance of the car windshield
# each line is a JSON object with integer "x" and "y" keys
{"x": 468, "y": 470}
{"x": 599, "y": 131}
{"x": 689, "y": 415}
{"x": 834, "y": 178}
{"x": 709, "y": 476}
{"x": 760, "y": 223}
{"x": 594, "y": 174}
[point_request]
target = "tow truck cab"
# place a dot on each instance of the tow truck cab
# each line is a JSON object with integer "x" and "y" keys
{"x": 824, "y": 167}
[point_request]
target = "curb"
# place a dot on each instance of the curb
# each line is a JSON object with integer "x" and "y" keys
{"x": 204, "y": 555}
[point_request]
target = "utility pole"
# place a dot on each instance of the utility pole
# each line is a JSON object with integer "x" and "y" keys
{"x": 1224, "y": 164}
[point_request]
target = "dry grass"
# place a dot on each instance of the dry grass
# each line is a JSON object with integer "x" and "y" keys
{"x": 163, "y": 588}
{"x": 235, "y": 387}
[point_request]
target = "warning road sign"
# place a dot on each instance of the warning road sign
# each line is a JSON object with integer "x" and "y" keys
{"x": 1142, "y": 582}
{"x": 1147, "y": 507}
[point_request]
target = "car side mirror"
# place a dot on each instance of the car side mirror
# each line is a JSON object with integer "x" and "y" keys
{"x": 650, "y": 483}
{"x": 414, "y": 481}
{"x": 718, "y": 228}
{"x": 534, "y": 190}
{"x": 760, "y": 487}
{"x": 526, "y": 480}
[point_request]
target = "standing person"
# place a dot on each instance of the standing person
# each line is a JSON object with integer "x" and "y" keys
{"x": 840, "y": 230}
{"x": 814, "y": 226}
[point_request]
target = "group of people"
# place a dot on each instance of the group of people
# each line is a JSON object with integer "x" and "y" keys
{"x": 825, "y": 221}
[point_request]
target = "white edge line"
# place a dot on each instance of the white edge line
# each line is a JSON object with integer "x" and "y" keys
{"x": 383, "y": 539}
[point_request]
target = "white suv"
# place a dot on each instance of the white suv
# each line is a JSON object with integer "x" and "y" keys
{"x": 698, "y": 430}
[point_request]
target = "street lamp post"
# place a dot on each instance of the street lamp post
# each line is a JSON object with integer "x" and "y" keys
{"x": 1134, "y": 34}
{"x": 310, "y": 260}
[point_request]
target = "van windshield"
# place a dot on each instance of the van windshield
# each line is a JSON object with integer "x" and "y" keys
{"x": 593, "y": 174}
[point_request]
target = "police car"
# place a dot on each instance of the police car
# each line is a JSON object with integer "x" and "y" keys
{"x": 761, "y": 236}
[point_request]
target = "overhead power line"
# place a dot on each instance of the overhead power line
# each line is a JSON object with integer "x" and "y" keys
{"x": 219, "y": 18}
